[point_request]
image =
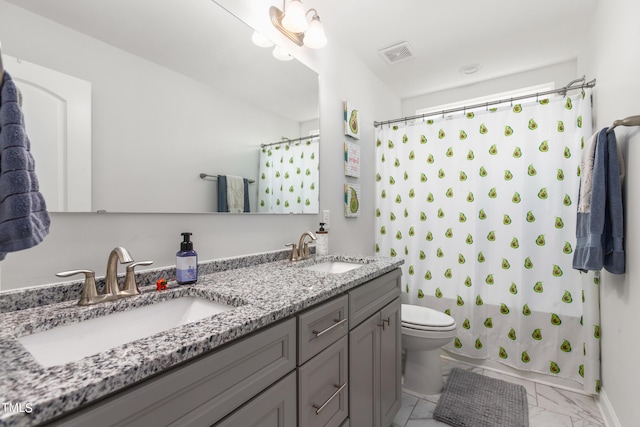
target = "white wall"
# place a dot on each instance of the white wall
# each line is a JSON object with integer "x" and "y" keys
{"x": 611, "y": 54}
{"x": 84, "y": 240}
{"x": 558, "y": 74}
{"x": 140, "y": 109}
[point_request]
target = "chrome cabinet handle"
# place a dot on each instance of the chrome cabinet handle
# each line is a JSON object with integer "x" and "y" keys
{"x": 335, "y": 325}
{"x": 333, "y": 396}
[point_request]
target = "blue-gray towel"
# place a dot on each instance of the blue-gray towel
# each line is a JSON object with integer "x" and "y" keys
{"x": 24, "y": 220}
{"x": 223, "y": 206}
{"x": 600, "y": 232}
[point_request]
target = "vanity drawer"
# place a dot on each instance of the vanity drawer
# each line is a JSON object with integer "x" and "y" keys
{"x": 323, "y": 392}
{"x": 199, "y": 392}
{"x": 320, "y": 327}
{"x": 372, "y": 296}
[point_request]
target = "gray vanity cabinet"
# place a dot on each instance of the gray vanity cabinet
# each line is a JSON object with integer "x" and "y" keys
{"x": 334, "y": 365}
{"x": 375, "y": 352}
{"x": 203, "y": 391}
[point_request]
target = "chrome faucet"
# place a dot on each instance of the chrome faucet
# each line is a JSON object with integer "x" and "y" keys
{"x": 302, "y": 250}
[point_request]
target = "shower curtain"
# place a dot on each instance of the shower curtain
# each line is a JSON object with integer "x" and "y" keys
{"x": 482, "y": 207}
{"x": 288, "y": 177}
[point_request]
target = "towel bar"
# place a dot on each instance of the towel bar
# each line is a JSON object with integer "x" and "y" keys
{"x": 204, "y": 175}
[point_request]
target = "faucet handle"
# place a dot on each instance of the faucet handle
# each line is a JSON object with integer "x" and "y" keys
{"x": 89, "y": 291}
{"x": 294, "y": 251}
{"x": 130, "y": 285}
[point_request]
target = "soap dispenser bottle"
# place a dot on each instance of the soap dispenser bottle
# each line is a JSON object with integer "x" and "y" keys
{"x": 322, "y": 241}
{"x": 186, "y": 262}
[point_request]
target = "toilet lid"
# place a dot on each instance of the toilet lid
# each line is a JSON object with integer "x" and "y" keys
{"x": 415, "y": 316}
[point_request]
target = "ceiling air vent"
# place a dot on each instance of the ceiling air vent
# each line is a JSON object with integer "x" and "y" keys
{"x": 397, "y": 53}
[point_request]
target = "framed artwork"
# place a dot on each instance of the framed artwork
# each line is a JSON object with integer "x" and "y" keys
{"x": 351, "y": 200}
{"x": 351, "y": 121}
{"x": 351, "y": 159}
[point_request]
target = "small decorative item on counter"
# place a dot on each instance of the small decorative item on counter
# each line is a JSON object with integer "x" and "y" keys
{"x": 161, "y": 284}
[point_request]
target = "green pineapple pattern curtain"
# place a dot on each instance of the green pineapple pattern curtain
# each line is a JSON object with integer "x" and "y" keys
{"x": 288, "y": 177}
{"x": 482, "y": 206}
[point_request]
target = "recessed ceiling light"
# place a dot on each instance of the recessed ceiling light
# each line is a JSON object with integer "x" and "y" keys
{"x": 470, "y": 69}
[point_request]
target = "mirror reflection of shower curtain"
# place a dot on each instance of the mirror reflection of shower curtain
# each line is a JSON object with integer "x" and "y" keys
{"x": 482, "y": 207}
{"x": 288, "y": 177}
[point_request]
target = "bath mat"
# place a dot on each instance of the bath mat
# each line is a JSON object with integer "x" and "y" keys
{"x": 473, "y": 400}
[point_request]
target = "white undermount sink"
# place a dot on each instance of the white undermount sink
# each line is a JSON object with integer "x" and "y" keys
{"x": 72, "y": 342}
{"x": 333, "y": 266}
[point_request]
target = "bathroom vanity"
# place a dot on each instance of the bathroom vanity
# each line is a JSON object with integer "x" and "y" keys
{"x": 299, "y": 347}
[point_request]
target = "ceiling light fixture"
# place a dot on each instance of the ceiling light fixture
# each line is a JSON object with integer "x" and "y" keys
{"x": 293, "y": 24}
{"x": 260, "y": 40}
{"x": 281, "y": 54}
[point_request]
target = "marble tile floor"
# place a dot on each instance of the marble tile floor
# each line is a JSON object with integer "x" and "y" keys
{"x": 548, "y": 406}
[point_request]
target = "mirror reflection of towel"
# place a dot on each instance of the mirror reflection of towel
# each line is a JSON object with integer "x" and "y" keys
{"x": 24, "y": 220}
{"x": 233, "y": 194}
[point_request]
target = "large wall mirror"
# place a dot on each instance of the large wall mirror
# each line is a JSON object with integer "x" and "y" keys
{"x": 177, "y": 90}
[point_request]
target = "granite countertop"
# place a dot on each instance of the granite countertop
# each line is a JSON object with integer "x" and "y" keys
{"x": 263, "y": 288}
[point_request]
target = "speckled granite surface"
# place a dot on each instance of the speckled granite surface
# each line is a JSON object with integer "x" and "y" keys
{"x": 263, "y": 288}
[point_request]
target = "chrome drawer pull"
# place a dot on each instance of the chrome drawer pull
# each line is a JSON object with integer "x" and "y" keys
{"x": 335, "y": 325}
{"x": 337, "y": 392}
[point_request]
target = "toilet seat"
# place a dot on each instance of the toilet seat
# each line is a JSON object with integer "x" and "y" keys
{"x": 426, "y": 319}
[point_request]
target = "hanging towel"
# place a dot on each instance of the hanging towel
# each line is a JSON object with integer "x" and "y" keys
{"x": 586, "y": 174}
{"x": 600, "y": 231}
{"x": 233, "y": 194}
{"x": 24, "y": 220}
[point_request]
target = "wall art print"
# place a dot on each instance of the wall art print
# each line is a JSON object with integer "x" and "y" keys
{"x": 351, "y": 121}
{"x": 351, "y": 159}
{"x": 351, "y": 200}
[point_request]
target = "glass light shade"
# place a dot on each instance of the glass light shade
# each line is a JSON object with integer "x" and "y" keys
{"x": 260, "y": 40}
{"x": 294, "y": 18}
{"x": 314, "y": 37}
{"x": 281, "y": 54}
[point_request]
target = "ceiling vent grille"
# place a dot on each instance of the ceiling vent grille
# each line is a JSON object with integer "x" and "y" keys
{"x": 397, "y": 53}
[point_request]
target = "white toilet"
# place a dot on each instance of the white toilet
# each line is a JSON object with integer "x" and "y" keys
{"x": 424, "y": 331}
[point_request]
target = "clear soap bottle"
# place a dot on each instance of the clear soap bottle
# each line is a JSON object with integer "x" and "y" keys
{"x": 186, "y": 262}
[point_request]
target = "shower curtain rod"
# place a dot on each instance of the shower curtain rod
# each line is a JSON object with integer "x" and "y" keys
{"x": 286, "y": 140}
{"x": 562, "y": 90}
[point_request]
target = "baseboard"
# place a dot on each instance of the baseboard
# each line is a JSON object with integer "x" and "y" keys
{"x": 609, "y": 415}
{"x": 562, "y": 383}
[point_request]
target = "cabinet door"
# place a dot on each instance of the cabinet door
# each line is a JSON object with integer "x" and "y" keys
{"x": 274, "y": 407}
{"x": 364, "y": 365}
{"x": 390, "y": 362}
{"x": 323, "y": 391}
